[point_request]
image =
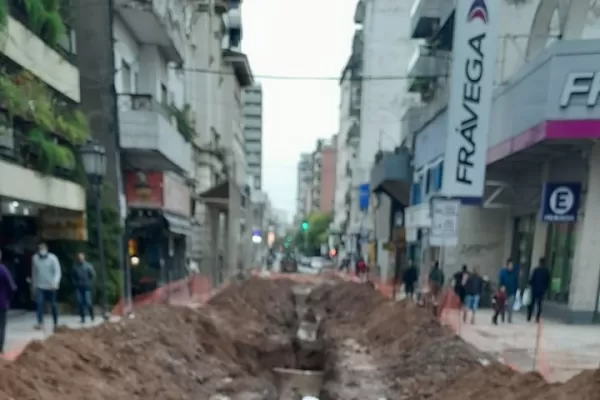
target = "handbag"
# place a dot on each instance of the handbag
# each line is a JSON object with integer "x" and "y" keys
{"x": 517, "y": 304}
{"x": 527, "y": 296}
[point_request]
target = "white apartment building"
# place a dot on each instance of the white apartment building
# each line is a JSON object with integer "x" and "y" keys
{"x": 304, "y": 181}
{"x": 348, "y": 139}
{"x": 386, "y": 52}
{"x": 541, "y": 185}
{"x": 252, "y": 102}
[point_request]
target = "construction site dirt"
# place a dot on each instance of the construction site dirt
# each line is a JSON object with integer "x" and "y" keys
{"x": 239, "y": 345}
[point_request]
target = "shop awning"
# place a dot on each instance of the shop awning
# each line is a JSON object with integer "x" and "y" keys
{"x": 151, "y": 221}
{"x": 217, "y": 196}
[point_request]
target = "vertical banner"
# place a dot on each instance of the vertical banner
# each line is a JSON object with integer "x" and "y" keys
{"x": 474, "y": 56}
{"x": 363, "y": 197}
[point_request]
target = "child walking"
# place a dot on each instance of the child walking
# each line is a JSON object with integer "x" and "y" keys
{"x": 499, "y": 301}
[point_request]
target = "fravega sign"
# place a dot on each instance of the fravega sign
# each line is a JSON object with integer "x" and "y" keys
{"x": 584, "y": 84}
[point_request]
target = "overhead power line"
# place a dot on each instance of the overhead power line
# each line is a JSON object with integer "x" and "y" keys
{"x": 311, "y": 78}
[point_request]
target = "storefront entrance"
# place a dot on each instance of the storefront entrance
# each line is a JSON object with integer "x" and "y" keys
{"x": 522, "y": 246}
{"x": 560, "y": 249}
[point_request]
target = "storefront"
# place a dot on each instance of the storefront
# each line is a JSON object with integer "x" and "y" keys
{"x": 542, "y": 155}
{"x": 158, "y": 225}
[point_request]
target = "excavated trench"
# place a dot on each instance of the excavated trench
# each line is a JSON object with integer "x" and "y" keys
{"x": 305, "y": 380}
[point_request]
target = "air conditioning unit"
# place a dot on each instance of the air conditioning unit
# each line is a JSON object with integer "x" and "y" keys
{"x": 201, "y": 5}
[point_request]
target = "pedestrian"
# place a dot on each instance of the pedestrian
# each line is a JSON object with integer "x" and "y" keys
{"x": 473, "y": 291}
{"x": 539, "y": 282}
{"x": 410, "y": 278}
{"x": 84, "y": 276}
{"x": 46, "y": 275}
{"x": 436, "y": 279}
{"x": 509, "y": 278}
{"x": 7, "y": 289}
{"x": 499, "y": 303}
{"x": 459, "y": 280}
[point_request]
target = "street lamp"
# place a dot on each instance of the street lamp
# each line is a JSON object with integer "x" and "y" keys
{"x": 93, "y": 157}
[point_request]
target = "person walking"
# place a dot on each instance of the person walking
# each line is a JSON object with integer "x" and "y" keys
{"x": 410, "y": 278}
{"x": 509, "y": 278}
{"x": 436, "y": 279}
{"x": 45, "y": 280}
{"x": 499, "y": 303}
{"x": 473, "y": 291}
{"x": 539, "y": 283}
{"x": 84, "y": 276}
{"x": 459, "y": 280}
{"x": 7, "y": 289}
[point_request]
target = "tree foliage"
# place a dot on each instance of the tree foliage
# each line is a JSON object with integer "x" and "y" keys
{"x": 310, "y": 241}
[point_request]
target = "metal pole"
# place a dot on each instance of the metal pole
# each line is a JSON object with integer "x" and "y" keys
{"x": 103, "y": 271}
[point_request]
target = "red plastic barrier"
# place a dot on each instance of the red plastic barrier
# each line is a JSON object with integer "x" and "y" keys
{"x": 195, "y": 288}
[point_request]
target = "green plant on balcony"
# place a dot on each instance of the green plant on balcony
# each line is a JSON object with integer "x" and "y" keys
{"x": 49, "y": 154}
{"x": 183, "y": 118}
{"x": 44, "y": 19}
{"x": 3, "y": 13}
{"x": 73, "y": 126}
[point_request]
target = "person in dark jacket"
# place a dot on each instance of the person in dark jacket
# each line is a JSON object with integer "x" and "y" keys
{"x": 459, "y": 279}
{"x": 7, "y": 289}
{"x": 409, "y": 278}
{"x": 436, "y": 279}
{"x": 509, "y": 278}
{"x": 539, "y": 282}
{"x": 83, "y": 281}
{"x": 473, "y": 291}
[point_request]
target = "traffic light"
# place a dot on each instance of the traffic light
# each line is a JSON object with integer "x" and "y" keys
{"x": 304, "y": 226}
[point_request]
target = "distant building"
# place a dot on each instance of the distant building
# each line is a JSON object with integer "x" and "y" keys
{"x": 252, "y": 108}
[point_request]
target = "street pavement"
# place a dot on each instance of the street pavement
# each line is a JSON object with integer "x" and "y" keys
{"x": 20, "y": 330}
{"x": 557, "y": 350}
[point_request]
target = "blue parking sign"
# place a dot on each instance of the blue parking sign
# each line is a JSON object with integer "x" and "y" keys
{"x": 560, "y": 201}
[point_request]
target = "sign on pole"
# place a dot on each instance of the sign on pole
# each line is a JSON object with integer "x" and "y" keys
{"x": 560, "y": 201}
{"x": 444, "y": 222}
{"x": 474, "y": 54}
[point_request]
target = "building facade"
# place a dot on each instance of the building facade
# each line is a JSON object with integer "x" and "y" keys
{"x": 42, "y": 197}
{"x": 304, "y": 181}
{"x": 384, "y": 99}
{"x": 253, "y": 101}
{"x": 173, "y": 132}
{"x": 322, "y": 186}
{"x": 542, "y": 158}
{"x": 348, "y": 135}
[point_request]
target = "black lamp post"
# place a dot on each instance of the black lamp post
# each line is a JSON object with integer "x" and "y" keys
{"x": 93, "y": 157}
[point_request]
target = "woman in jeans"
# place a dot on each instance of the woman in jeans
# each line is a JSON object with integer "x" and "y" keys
{"x": 473, "y": 289}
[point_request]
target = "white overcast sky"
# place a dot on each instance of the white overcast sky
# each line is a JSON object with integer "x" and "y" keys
{"x": 296, "y": 38}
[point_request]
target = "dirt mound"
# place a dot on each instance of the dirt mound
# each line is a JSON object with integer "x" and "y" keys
{"x": 227, "y": 347}
{"x": 585, "y": 386}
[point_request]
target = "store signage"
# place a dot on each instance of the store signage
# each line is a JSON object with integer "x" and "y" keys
{"x": 144, "y": 189}
{"x": 560, "y": 201}
{"x": 57, "y": 224}
{"x": 363, "y": 197}
{"x": 176, "y": 195}
{"x": 471, "y": 94}
{"x": 444, "y": 222}
{"x": 418, "y": 216}
{"x": 581, "y": 83}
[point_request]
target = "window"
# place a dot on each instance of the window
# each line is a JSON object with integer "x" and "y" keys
{"x": 126, "y": 77}
{"x": 136, "y": 82}
{"x": 164, "y": 93}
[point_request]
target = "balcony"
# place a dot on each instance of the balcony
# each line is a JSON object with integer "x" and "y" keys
{"x": 427, "y": 65}
{"x": 26, "y": 49}
{"x": 149, "y": 21}
{"x": 392, "y": 175}
{"x": 425, "y": 18}
{"x": 149, "y": 135}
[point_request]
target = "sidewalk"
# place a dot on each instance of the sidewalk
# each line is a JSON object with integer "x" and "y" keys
{"x": 562, "y": 352}
{"x": 20, "y": 330}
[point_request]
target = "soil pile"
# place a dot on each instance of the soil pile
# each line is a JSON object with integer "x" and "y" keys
{"x": 585, "y": 386}
{"x": 227, "y": 348}
{"x": 398, "y": 344}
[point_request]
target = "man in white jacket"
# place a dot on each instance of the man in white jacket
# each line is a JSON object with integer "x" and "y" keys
{"x": 46, "y": 275}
